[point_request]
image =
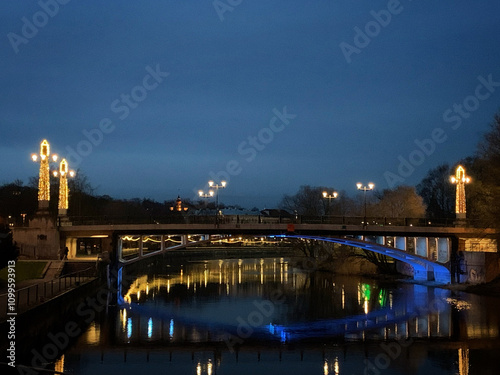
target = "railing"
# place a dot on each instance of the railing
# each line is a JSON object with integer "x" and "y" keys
{"x": 30, "y": 296}
{"x": 261, "y": 219}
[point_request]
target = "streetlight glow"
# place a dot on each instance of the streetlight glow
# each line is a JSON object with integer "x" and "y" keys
{"x": 63, "y": 186}
{"x": 369, "y": 187}
{"x": 331, "y": 196}
{"x": 44, "y": 175}
{"x": 202, "y": 194}
{"x": 460, "y": 179}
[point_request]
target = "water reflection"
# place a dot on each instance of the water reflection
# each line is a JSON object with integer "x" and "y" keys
{"x": 246, "y": 316}
{"x": 280, "y": 302}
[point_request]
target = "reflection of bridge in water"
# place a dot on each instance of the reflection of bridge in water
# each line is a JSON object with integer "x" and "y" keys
{"x": 412, "y": 312}
{"x": 184, "y": 317}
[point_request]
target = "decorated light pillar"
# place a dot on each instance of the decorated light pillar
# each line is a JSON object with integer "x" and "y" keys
{"x": 44, "y": 177}
{"x": 460, "y": 179}
{"x": 63, "y": 186}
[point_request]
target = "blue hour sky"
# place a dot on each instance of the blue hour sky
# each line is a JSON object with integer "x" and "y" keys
{"x": 151, "y": 99}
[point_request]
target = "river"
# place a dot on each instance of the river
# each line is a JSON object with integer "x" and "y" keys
{"x": 264, "y": 316}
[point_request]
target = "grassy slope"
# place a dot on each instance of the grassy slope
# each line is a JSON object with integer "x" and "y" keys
{"x": 24, "y": 270}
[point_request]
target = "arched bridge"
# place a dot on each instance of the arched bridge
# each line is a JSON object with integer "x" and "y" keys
{"x": 425, "y": 248}
{"x": 423, "y": 269}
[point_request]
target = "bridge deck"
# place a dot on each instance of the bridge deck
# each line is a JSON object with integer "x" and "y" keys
{"x": 273, "y": 228}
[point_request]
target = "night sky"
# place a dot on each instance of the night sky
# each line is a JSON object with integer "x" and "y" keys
{"x": 151, "y": 99}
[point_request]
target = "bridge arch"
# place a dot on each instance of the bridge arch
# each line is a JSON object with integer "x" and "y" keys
{"x": 423, "y": 269}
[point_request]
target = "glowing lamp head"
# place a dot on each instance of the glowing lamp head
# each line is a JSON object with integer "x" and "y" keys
{"x": 211, "y": 193}
{"x": 335, "y": 194}
{"x": 44, "y": 149}
{"x": 359, "y": 185}
{"x": 325, "y": 194}
{"x": 63, "y": 167}
{"x": 210, "y": 183}
{"x": 223, "y": 183}
{"x": 55, "y": 173}
{"x": 371, "y": 185}
{"x": 54, "y": 158}
{"x": 34, "y": 157}
{"x": 200, "y": 193}
{"x": 72, "y": 173}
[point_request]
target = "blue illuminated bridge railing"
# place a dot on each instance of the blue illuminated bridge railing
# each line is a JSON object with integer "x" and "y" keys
{"x": 423, "y": 269}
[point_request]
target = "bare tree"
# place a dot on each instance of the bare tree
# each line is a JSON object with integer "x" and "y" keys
{"x": 307, "y": 201}
{"x": 437, "y": 192}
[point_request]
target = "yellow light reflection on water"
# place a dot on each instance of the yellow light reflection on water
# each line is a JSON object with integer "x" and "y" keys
{"x": 59, "y": 365}
{"x": 336, "y": 367}
{"x": 463, "y": 361}
{"x": 123, "y": 317}
{"x": 93, "y": 334}
{"x": 343, "y": 298}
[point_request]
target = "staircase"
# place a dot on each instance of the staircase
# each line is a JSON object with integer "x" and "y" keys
{"x": 54, "y": 270}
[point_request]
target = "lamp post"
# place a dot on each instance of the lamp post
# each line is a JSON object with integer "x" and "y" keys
{"x": 365, "y": 188}
{"x": 202, "y": 194}
{"x": 63, "y": 174}
{"x": 331, "y": 196}
{"x": 44, "y": 176}
{"x": 215, "y": 186}
{"x": 460, "y": 179}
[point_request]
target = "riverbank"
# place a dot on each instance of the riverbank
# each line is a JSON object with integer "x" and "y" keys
{"x": 485, "y": 289}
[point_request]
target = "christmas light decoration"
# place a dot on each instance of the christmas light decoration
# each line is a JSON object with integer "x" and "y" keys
{"x": 44, "y": 177}
{"x": 63, "y": 185}
{"x": 460, "y": 179}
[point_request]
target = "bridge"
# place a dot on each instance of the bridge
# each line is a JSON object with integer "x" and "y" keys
{"x": 423, "y": 269}
{"x": 428, "y": 247}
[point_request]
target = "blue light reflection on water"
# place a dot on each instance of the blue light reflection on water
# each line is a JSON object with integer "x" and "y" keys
{"x": 316, "y": 312}
{"x": 171, "y": 329}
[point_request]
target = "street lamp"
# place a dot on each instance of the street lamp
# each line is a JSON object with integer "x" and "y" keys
{"x": 215, "y": 186}
{"x": 365, "y": 188}
{"x": 44, "y": 176}
{"x": 331, "y": 196}
{"x": 460, "y": 179}
{"x": 202, "y": 194}
{"x": 63, "y": 174}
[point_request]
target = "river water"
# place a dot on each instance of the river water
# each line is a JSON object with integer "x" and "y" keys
{"x": 264, "y": 316}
